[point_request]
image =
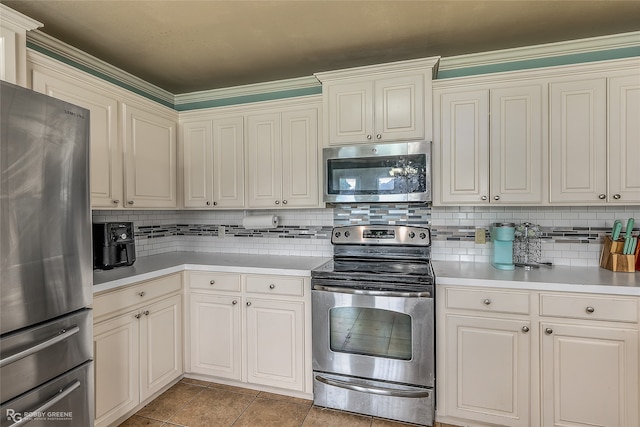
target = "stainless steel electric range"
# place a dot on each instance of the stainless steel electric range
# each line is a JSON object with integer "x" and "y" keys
{"x": 373, "y": 324}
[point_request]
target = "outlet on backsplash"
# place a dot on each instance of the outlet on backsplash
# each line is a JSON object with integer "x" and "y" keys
{"x": 221, "y": 231}
{"x": 481, "y": 236}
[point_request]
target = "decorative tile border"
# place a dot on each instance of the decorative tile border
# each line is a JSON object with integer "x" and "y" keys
{"x": 231, "y": 230}
{"x": 382, "y": 214}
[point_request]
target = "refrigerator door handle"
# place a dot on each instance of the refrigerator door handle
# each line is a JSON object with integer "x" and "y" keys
{"x": 64, "y": 392}
{"x": 61, "y": 336}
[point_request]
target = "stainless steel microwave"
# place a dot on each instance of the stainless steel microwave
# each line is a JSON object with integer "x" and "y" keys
{"x": 397, "y": 172}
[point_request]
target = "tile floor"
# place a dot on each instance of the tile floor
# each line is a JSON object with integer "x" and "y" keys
{"x": 195, "y": 403}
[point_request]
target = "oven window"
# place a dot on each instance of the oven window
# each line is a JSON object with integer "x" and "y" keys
{"x": 370, "y": 331}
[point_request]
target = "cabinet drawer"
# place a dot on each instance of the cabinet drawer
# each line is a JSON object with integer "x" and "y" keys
{"x": 276, "y": 285}
{"x": 212, "y": 281}
{"x": 617, "y": 309}
{"x": 494, "y": 301}
{"x": 135, "y": 295}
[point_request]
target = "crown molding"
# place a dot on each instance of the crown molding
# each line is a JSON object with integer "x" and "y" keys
{"x": 389, "y": 67}
{"x": 18, "y": 20}
{"x": 97, "y": 67}
{"x": 571, "y": 47}
{"x": 239, "y": 109}
{"x": 248, "y": 90}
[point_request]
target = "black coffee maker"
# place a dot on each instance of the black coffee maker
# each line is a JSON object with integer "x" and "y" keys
{"x": 113, "y": 245}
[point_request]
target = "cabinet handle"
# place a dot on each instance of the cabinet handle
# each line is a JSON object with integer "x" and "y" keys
{"x": 212, "y": 282}
{"x": 483, "y": 198}
{"x": 234, "y": 302}
{"x": 496, "y": 197}
{"x": 272, "y": 286}
{"x": 602, "y": 196}
{"x": 215, "y": 203}
{"x": 525, "y": 329}
{"x": 277, "y": 202}
{"x": 368, "y": 136}
{"x": 379, "y": 136}
{"x": 146, "y": 312}
{"x": 143, "y": 293}
{"x": 137, "y": 316}
{"x": 616, "y": 196}
{"x": 548, "y": 331}
{"x": 208, "y": 203}
{"x": 590, "y": 310}
{"x": 486, "y": 301}
{"x": 284, "y": 202}
{"x": 115, "y": 202}
{"x": 248, "y": 303}
{"x": 130, "y": 202}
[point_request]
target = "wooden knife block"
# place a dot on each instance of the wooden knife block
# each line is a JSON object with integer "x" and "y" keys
{"x": 612, "y": 258}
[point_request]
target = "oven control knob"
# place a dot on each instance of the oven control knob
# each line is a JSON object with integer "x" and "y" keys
{"x": 423, "y": 235}
{"x": 412, "y": 234}
{"x": 347, "y": 234}
{"x": 337, "y": 234}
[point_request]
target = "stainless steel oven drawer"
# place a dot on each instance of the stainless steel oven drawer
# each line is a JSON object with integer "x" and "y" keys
{"x": 65, "y": 401}
{"x": 376, "y": 398}
{"x": 33, "y": 356}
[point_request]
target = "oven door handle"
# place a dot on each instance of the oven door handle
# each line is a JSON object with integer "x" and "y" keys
{"x": 374, "y": 293}
{"x": 384, "y": 391}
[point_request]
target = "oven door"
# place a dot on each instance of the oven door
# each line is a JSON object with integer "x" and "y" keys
{"x": 365, "y": 334}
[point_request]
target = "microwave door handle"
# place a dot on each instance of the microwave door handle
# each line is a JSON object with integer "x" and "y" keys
{"x": 62, "y": 393}
{"x": 384, "y": 391}
{"x": 373, "y": 293}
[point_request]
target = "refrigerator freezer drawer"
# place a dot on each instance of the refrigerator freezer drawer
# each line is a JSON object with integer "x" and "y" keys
{"x": 33, "y": 356}
{"x": 67, "y": 399}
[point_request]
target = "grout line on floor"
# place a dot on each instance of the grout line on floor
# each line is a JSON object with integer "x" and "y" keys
{"x": 244, "y": 410}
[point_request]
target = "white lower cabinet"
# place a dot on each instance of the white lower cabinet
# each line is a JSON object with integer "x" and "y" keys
{"x": 525, "y": 358}
{"x": 250, "y": 329}
{"x": 137, "y": 352}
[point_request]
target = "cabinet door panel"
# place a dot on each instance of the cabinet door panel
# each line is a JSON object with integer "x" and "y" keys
{"x": 350, "y": 112}
{"x": 150, "y": 159}
{"x": 578, "y": 145}
{"x": 116, "y": 352}
{"x": 464, "y": 147}
{"x": 215, "y": 335}
{"x": 161, "y": 345}
{"x": 106, "y": 155}
{"x": 624, "y": 139}
{"x": 228, "y": 163}
{"x": 589, "y": 376}
{"x": 300, "y": 157}
{"x": 399, "y": 108}
{"x": 488, "y": 370}
{"x": 198, "y": 164}
{"x": 264, "y": 160}
{"x": 516, "y": 145}
{"x": 280, "y": 322}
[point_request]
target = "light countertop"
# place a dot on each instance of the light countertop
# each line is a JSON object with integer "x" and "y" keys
{"x": 153, "y": 266}
{"x": 556, "y": 278}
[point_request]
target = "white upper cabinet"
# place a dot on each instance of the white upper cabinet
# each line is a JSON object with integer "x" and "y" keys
{"x": 382, "y": 103}
{"x": 13, "y": 45}
{"x": 213, "y": 161}
{"x": 149, "y": 144}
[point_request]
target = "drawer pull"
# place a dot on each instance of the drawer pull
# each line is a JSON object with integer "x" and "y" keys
{"x": 486, "y": 301}
{"x": 234, "y": 302}
{"x": 248, "y": 303}
{"x": 548, "y": 331}
{"x": 143, "y": 293}
{"x": 212, "y": 282}
{"x": 590, "y": 310}
{"x": 272, "y": 286}
{"x": 525, "y": 329}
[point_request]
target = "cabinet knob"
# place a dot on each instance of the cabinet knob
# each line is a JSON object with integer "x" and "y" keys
{"x": 496, "y": 197}
{"x": 143, "y": 293}
{"x": 272, "y": 286}
{"x": 525, "y": 329}
{"x": 369, "y": 136}
{"x": 602, "y": 196}
{"x": 130, "y": 202}
{"x": 137, "y": 316}
{"x": 212, "y": 282}
{"x": 483, "y": 197}
{"x": 616, "y": 196}
{"x": 234, "y": 302}
{"x": 379, "y": 136}
{"x": 548, "y": 331}
{"x": 277, "y": 202}
{"x": 248, "y": 303}
{"x": 146, "y": 312}
{"x": 208, "y": 203}
{"x": 486, "y": 301}
{"x": 215, "y": 203}
{"x": 115, "y": 202}
{"x": 590, "y": 310}
{"x": 284, "y": 202}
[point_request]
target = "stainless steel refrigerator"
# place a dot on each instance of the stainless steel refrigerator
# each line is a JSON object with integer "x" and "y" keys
{"x": 46, "y": 367}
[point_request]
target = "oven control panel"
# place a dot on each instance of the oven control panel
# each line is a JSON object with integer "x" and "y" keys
{"x": 381, "y": 235}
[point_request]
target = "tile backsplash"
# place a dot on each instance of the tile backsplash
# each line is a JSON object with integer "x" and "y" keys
{"x": 571, "y": 235}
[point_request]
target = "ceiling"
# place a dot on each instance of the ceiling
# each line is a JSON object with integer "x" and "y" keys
{"x": 184, "y": 46}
